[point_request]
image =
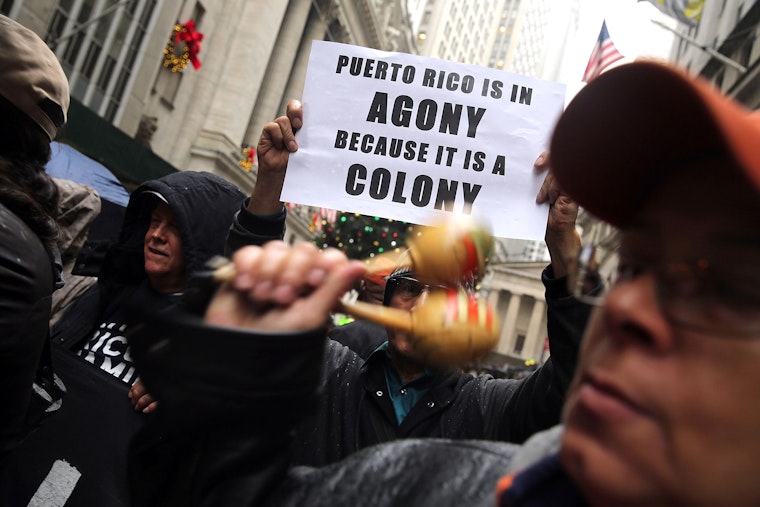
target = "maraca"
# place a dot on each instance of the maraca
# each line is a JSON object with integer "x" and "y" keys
{"x": 451, "y": 326}
{"x": 454, "y": 252}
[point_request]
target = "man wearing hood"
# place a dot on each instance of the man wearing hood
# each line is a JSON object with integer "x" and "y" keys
{"x": 171, "y": 227}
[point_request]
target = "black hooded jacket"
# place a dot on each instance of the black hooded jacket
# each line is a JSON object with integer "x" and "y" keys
{"x": 203, "y": 205}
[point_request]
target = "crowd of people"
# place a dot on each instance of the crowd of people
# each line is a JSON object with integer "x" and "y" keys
{"x": 158, "y": 386}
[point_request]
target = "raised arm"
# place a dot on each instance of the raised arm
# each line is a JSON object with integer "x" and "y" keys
{"x": 262, "y": 218}
{"x": 516, "y": 410}
{"x": 276, "y": 143}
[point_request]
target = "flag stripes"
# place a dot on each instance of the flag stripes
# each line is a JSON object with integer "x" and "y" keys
{"x": 604, "y": 54}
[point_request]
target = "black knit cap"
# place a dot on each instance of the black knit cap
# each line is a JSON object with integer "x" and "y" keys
{"x": 402, "y": 270}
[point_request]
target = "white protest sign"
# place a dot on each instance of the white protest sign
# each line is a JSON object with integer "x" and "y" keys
{"x": 412, "y": 138}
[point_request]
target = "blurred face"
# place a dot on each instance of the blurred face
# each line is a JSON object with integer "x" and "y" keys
{"x": 162, "y": 248}
{"x": 665, "y": 405}
{"x": 407, "y": 294}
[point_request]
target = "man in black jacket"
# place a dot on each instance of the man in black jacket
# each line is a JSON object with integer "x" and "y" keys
{"x": 393, "y": 394}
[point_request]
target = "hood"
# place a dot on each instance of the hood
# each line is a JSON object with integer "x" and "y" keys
{"x": 203, "y": 205}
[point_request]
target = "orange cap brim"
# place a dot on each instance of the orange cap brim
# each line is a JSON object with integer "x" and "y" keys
{"x": 625, "y": 132}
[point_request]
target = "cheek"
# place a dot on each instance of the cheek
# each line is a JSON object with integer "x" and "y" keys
{"x": 720, "y": 406}
{"x": 596, "y": 340}
{"x": 176, "y": 247}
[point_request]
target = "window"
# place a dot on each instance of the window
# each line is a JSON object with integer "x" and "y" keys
{"x": 519, "y": 344}
{"x": 6, "y": 6}
{"x": 718, "y": 80}
{"x": 98, "y": 43}
{"x": 745, "y": 51}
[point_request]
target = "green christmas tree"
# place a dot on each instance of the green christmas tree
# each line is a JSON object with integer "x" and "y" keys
{"x": 361, "y": 236}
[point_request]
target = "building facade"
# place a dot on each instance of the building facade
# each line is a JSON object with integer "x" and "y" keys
{"x": 253, "y": 58}
{"x": 724, "y": 47}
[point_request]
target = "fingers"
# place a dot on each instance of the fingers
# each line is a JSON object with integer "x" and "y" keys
{"x": 548, "y": 190}
{"x": 295, "y": 114}
{"x": 548, "y": 187}
{"x": 283, "y": 288}
{"x": 145, "y": 404}
{"x": 279, "y": 274}
{"x": 565, "y": 209}
{"x": 340, "y": 275}
{"x": 141, "y": 399}
{"x": 280, "y": 133}
{"x": 283, "y": 135}
{"x": 270, "y": 138}
{"x": 137, "y": 390}
{"x": 287, "y": 135}
{"x": 542, "y": 162}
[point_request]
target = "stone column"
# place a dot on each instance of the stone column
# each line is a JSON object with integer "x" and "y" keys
{"x": 278, "y": 71}
{"x": 508, "y": 326}
{"x": 534, "y": 338}
{"x": 240, "y": 79}
{"x": 315, "y": 30}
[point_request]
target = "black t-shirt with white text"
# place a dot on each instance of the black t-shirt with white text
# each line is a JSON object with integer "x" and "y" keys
{"x": 108, "y": 348}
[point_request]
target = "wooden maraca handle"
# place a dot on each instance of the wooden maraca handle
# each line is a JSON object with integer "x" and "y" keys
{"x": 383, "y": 315}
{"x": 450, "y": 327}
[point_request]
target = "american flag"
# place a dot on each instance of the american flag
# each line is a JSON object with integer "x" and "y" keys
{"x": 604, "y": 54}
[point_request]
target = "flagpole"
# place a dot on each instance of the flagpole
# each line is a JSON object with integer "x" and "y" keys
{"x": 712, "y": 52}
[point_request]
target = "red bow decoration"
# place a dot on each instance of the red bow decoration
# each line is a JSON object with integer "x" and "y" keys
{"x": 247, "y": 161}
{"x": 192, "y": 39}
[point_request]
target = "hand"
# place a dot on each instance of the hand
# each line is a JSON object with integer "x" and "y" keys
{"x": 281, "y": 288}
{"x": 141, "y": 399}
{"x": 276, "y": 143}
{"x": 562, "y": 239}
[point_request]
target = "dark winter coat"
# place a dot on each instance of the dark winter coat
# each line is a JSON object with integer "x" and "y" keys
{"x": 26, "y": 287}
{"x": 228, "y": 441}
{"x": 356, "y": 411}
{"x": 275, "y": 401}
{"x": 203, "y": 205}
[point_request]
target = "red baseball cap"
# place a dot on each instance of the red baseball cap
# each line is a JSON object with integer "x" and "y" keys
{"x": 625, "y": 132}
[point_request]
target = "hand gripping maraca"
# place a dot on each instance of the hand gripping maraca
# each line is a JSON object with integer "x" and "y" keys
{"x": 450, "y": 327}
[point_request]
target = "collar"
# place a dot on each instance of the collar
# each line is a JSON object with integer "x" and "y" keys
{"x": 541, "y": 484}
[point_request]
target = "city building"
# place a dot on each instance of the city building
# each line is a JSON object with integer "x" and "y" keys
{"x": 724, "y": 47}
{"x": 145, "y": 103}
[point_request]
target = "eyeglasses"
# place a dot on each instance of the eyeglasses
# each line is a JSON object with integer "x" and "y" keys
{"x": 408, "y": 287}
{"x": 696, "y": 294}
